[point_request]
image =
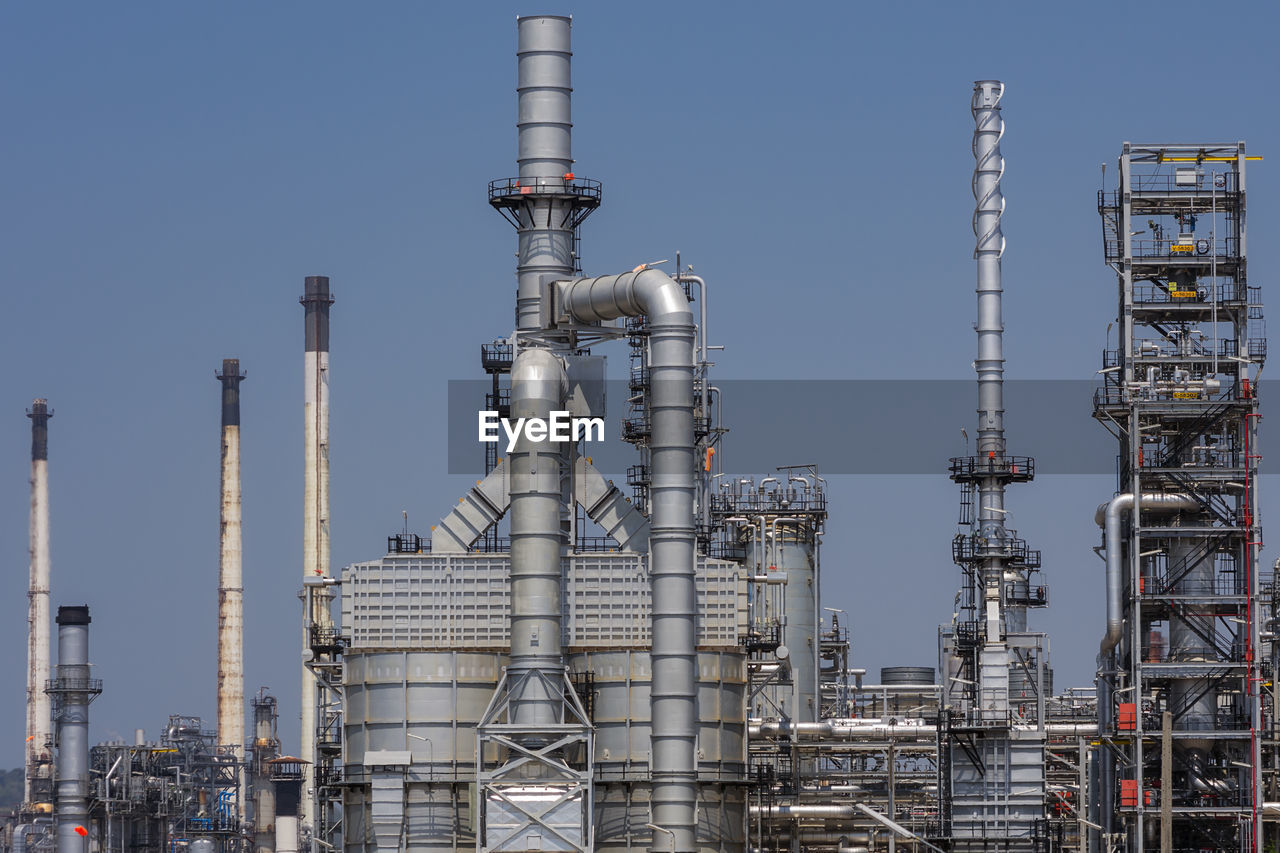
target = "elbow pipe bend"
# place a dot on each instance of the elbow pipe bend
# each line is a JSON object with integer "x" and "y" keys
{"x": 1108, "y": 517}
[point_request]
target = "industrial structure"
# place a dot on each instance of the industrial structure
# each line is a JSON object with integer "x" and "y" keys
{"x": 1182, "y": 665}
{"x": 561, "y": 665}
{"x": 39, "y": 741}
{"x": 230, "y": 583}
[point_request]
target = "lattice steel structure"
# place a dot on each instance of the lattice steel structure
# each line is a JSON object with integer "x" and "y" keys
{"x": 1179, "y": 673}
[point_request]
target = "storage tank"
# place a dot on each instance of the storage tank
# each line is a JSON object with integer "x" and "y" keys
{"x": 428, "y": 704}
{"x": 617, "y": 685}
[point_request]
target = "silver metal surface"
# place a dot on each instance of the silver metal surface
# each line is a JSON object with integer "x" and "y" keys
{"x": 671, "y": 535}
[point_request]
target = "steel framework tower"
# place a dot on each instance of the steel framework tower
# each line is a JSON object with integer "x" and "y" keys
{"x": 1179, "y": 677}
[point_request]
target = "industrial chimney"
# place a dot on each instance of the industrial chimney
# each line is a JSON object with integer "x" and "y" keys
{"x": 38, "y": 733}
{"x": 316, "y": 300}
{"x": 72, "y": 691}
{"x": 230, "y": 583}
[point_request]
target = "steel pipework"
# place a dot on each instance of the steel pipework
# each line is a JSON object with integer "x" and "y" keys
{"x": 673, "y": 700}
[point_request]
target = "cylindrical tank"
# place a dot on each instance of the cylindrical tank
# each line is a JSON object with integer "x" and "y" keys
{"x": 788, "y": 550}
{"x": 201, "y": 845}
{"x": 618, "y": 701}
{"x": 426, "y": 703}
{"x": 913, "y": 675}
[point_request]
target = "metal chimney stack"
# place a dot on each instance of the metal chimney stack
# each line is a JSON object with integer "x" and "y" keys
{"x": 73, "y": 690}
{"x": 38, "y": 731}
{"x": 316, "y": 300}
{"x": 230, "y": 583}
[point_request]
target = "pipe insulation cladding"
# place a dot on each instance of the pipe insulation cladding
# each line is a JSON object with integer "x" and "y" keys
{"x": 538, "y": 387}
{"x": 673, "y": 699}
{"x": 545, "y": 221}
{"x": 230, "y": 581}
{"x": 39, "y": 733}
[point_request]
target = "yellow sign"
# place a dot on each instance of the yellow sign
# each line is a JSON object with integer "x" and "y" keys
{"x": 1182, "y": 247}
{"x": 1186, "y": 395}
{"x": 1182, "y": 294}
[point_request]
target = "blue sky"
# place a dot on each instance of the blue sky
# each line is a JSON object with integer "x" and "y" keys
{"x": 173, "y": 171}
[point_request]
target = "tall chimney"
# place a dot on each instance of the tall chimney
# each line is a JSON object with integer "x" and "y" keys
{"x": 316, "y": 300}
{"x": 38, "y": 727}
{"x": 73, "y": 690}
{"x": 230, "y": 583}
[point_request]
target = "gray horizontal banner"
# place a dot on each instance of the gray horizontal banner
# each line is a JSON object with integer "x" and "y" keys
{"x": 848, "y": 426}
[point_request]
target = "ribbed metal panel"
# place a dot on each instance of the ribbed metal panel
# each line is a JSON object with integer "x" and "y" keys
{"x": 462, "y": 601}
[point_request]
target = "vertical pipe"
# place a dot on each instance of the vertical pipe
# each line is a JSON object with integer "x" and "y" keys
{"x": 672, "y": 545}
{"x": 538, "y": 387}
{"x": 544, "y": 128}
{"x": 230, "y": 584}
{"x": 74, "y": 690}
{"x": 38, "y": 731}
{"x": 989, "y": 168}
{"x": 316, "y": 300}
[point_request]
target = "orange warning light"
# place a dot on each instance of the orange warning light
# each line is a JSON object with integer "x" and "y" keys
{"x": 568, "y": 176}
{"x": 81, "y": 831}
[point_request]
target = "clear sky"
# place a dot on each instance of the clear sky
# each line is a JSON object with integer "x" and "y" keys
{"x": 172, "y": 171}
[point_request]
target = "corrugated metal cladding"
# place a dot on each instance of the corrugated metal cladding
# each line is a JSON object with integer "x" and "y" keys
{"x": 463, "y": 601}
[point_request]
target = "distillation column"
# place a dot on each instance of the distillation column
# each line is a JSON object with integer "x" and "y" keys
{"x": 1180, "y": 660}
{"x": 316, "y": 301}
{"x": 230, "y": 583}
{"x": 38, "y": 733}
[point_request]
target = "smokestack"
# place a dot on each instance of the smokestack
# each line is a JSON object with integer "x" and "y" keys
{"x": 550, "y": 209}
{"x": 988, "y": 170}
{"x": 316, "y": 300}
{"x": 38, "y": 726}
{"x": 73, "y": 690}
{"x": 230, "y": 583}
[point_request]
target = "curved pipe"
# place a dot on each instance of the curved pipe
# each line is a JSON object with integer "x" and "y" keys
{"x": 673, "y": 698}
{"x": 1108, "y": 517}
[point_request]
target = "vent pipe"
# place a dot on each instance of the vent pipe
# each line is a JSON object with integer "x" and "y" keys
{"x": 673, "y": 698}
{"x": 316, "y": 301}
{"x": 73, "y": 690}
{"x": 230, "y": 583}
{"x": 38, "y": 729}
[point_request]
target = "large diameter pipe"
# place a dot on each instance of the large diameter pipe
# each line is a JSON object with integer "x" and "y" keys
{"x": 673, "y": 698}
{"x": 316, "y": 300}
{"x": 544, "y": 134}
{"x": 38, "y": 727}
{"x": 538, "y": 387}
{"x": 75, "y": 690}
{"x": 1108, "y": 517}
{"x": 230, "y": 583}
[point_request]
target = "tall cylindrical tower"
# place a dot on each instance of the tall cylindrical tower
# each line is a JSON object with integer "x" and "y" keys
{"x": 544, "y": 126}
{"x": 38, "y": 729}
{"x": 316, "y": 301}
{"x": 230, "y": 583}
{"x": 73, "y": 690}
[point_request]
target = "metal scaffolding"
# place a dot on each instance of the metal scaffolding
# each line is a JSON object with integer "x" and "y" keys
{"x": 1180, "y": 673}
